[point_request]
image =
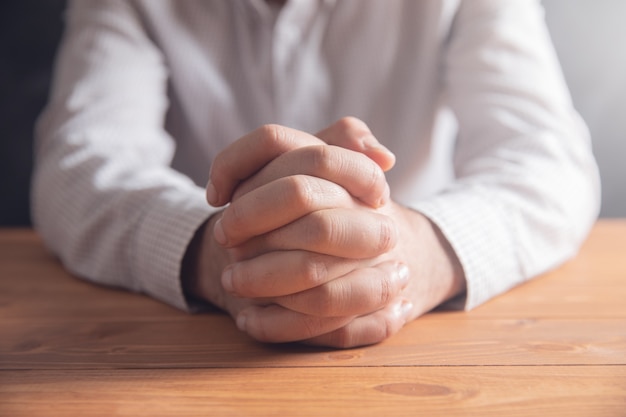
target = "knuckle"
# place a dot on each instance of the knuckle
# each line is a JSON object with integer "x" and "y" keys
{"x": 301, "y": 191}
{"x": 317, "y": 303}
{"x": 314, "y": 272}
{"x": 238, "y": 279}
{"x": 381, "y": 329}
{"x": 261, "y": 328}
{"x": 273, "y": 136}
{"x": 387, "y": 328}
{"x": 269, "y": 132}
{"x": 319, "y": 157}
{"x": 385, "y": 291}
{"x": 387, "y": 235}
{"x": 354, "y": 131}
{"x": 326, "y": 302}
{"x": 374, "y": 177}
{"x": 324, "y": 230}
{"x": 351, "y": 123}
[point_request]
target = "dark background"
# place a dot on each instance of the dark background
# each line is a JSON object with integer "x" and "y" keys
{"x": 29, "y": 33}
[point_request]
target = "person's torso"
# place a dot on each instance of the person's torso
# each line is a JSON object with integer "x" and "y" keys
{"x": 237, "y": 64}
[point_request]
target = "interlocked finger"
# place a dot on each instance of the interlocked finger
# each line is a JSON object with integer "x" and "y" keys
{"x": 277, "y": 324}
{"x": 277, "y": 204}
{"x": 340, "y": 232}
{"x": 359, "y": 292}
{"x": 352, "y": 133}
{"x": 354, "y": 171}
{"x": 368, "y": 329}
{"x": 249, "y": 154}
{"x": 279, "y": 273}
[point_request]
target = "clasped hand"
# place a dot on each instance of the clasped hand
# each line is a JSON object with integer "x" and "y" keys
{"x": 311, "y": 247}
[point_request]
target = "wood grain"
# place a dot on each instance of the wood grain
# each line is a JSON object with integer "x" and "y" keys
{"x": 592, "y": 391}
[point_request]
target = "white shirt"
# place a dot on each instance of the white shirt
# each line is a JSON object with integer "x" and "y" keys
{"x": 467, "y": 94}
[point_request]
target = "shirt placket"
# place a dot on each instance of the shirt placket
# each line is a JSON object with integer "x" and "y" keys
{"x": 288, "y": 47}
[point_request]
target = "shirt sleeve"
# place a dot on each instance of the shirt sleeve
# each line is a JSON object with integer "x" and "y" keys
{"x": 527, "y": 188}
{"x": 104, "y": 196}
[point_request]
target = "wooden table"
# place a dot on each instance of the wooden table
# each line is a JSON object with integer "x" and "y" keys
{"x": 553, "y": 346}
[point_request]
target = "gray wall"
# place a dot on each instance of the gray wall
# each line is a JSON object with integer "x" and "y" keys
{"x": 590, "y": 38}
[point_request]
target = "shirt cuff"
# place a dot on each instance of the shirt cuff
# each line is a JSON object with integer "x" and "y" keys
{"x": 162, "y": 240}
{"x": 476, "y": 229}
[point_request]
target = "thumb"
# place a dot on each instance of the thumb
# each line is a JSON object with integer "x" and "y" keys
{"x": 352, "y": 133}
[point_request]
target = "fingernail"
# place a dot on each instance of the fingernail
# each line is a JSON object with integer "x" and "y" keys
{"x": 404, "y": 310}
{"x": 227, "y": 280}
{"x": 211, "y": 194}
{"x": 371, "y": 143}
{"x": 241, "y": 321}
{"x": 385, "y": 197}
{"x": 218, "y": 233}
{"x": 403, "y": 274}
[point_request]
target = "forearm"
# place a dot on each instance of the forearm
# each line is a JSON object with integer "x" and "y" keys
{"x": 104, "y": 196}
{"x": 526, "y": 188}
{"x": 127, "y": 236}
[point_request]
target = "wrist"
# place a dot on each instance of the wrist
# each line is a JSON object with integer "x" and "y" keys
{"x": 431, "y": 258}
{"x": 189, "y": 271}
